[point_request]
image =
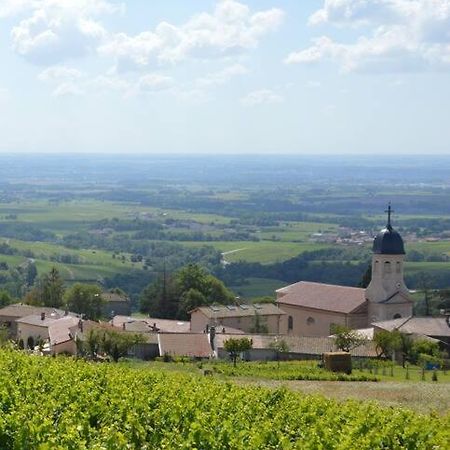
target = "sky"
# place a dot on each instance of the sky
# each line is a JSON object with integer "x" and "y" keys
{"x": 211, "y": 77}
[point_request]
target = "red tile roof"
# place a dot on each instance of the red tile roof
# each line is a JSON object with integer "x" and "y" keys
{"x": 429, "y": 326}
{"x": 328, "y": 297}
{"x": 147, "y": 324}
{"x": 189, "y": 344}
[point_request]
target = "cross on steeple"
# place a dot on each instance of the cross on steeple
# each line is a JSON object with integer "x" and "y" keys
{"x": 389, "y": 211}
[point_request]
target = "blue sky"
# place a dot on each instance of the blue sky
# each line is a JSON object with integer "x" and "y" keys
{"x": 225, "y": 76}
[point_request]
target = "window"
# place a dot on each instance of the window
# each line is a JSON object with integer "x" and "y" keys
{"x": 398, "y": 266}
{"x": 387, "y": 267}
{"x": 397, "y": 316}
{"x": 375, "y": 268}
{"x": 310, "y": 321}
{"x": 290, "y": 323}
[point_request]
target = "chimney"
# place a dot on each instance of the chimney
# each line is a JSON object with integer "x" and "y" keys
{"x": 42, "y": 315}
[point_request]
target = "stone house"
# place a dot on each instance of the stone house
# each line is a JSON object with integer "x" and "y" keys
{"x": 258, "y": 318}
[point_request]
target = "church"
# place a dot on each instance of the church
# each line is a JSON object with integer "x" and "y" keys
{"x": 314, "y": 308}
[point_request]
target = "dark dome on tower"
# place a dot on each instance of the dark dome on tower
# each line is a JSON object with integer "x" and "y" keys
{"x": 388, "y": 242}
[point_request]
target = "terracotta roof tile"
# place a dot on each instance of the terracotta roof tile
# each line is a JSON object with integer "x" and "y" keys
{"x": 222, "y": 311}
{"x": 429, "y": 326}
{"x": 329, "y": 297}
{"x": 147, "y": 324}
{"x": 189, "y": 344}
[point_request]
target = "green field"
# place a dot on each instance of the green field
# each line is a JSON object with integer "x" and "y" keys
{"x": 261, "y": 251}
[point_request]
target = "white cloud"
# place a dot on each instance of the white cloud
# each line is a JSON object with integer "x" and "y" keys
{"x": 221, "y": 77}
{"x": 229, "y": 29}
{"x": 55, "y": 30}
{"x": 262, "y": 96}
{"x": 400, "y": 35}
{"x": 60, "y": 73}
{"x": 154, "y": 82}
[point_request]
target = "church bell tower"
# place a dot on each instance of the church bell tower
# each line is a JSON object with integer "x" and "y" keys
{"x": 387, "y": 295}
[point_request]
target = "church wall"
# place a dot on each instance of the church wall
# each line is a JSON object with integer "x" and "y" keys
{"x": 386, "y": 311}
{"x": 357, "y": 320}
{"x": 312, "y": 322}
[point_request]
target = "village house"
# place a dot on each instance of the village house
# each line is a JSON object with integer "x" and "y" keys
{"x": 52, "y": 332}
{"x": 437, "y": 328}
{"x": 11, "y": 313}
{"x": 252, "y": 318}
{"x": 115, "y": 303}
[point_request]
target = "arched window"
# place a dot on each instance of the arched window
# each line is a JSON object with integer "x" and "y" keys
{"x": 375, "y": 267}
{"x": 397, "y": 316}
{"x": 398, "y": 266}
{"x": 387, "y": 267}
{"x": 290, "y": 323}
{"x": 310, "y": 321}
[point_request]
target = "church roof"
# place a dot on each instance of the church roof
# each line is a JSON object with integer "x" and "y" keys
{"x": 328, "y": 297}
{"x": 388, "y": 241}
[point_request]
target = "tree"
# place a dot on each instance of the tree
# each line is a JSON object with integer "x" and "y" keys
{"x": 159, "y": 299}
{"x": 280, "y": 346}
{"x": 347, "y": 339}
{"x": 173, "y": 296}
{"x": 31, "y": 273}
{"x": 190, "y": 300}
{"x": 386, "y": 342}
{"x": 48, "y": 291}
{"x": 85, "y": 299}
{"x": 425, "y": 284}
{"x": 423, "y": 347}
{"x": 53, "y": 289}
{"x": 366, "y": 278}
{"x": 117, "y": 344}
{"x": 236, "y": 346}
{"x": 5, "y": 299}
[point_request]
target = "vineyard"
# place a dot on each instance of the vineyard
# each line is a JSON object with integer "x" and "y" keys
{"x": 288, "y": 370}
{"x": 49, "y": 403}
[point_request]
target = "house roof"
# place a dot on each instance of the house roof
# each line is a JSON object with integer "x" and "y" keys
{"x": 59, "y": 330}
{"x": 429, "y": 326}
{"x": 150, "y": 324}
{"x": 224, "y": 311}
{"x": 296, "y": 344}
{"x": 185, "y": 344}
{"x": 36, "y": 320}
{"x": 22, "y": 310}
{"x": 329, "y": 297}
